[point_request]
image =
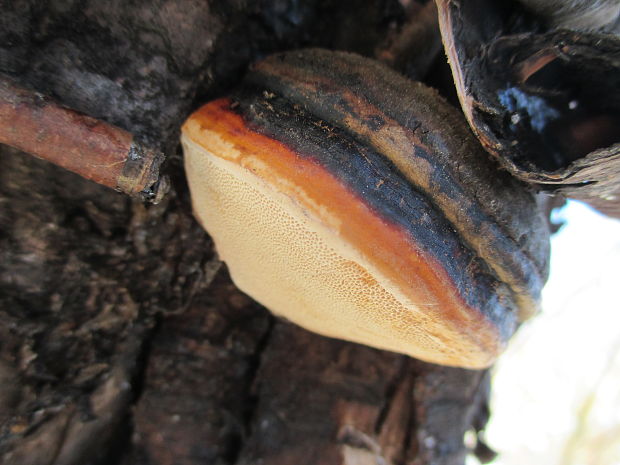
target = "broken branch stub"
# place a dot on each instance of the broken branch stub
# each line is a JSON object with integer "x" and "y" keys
{"x": 544, "y": 102}
{"x": 94, "y": 149}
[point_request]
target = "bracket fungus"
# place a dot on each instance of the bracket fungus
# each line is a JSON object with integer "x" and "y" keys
{"x": 357, "y": 204}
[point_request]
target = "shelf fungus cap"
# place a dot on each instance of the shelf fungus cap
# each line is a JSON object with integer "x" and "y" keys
{"x": 357, "y": 204}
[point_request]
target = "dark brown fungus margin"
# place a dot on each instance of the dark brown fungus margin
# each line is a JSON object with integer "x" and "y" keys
{"x": 546, "y": 103}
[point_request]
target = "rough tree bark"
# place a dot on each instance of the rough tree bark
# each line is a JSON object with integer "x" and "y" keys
{"x": 122, "y": 339}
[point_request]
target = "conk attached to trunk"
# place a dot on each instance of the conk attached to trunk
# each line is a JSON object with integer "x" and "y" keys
{"x": 358, "y": 204}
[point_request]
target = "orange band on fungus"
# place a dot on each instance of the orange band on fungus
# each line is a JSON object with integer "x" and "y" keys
{"x": 386, "y": 245}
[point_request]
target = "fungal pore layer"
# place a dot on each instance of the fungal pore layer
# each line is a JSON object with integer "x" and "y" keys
{"x": 335, "y": 215}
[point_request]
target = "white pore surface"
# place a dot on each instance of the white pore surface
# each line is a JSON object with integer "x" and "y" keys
{"x": 556, "y": 391}
{"x": 295, "y": 266}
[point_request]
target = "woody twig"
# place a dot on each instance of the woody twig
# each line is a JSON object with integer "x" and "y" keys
{"x": 94, "y": 149}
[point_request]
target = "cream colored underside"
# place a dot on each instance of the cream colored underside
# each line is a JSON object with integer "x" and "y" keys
{"x": 279, "y": 254}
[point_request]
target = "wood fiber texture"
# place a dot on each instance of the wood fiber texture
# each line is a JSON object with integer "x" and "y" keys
{"x": 545, "y": 102}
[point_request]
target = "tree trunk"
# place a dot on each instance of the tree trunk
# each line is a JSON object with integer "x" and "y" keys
{"x": 122, "y": 339}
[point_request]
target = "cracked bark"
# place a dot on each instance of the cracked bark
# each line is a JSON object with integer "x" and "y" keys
{"x": 122, "y": 339}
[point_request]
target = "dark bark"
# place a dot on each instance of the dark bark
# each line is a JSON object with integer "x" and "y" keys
{"x": 121, "y": 339}
{"x": 543, "y": 101}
